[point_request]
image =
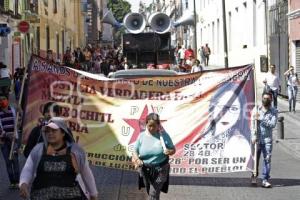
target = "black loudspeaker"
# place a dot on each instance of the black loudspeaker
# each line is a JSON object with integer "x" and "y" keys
{"x": 164, "y": 57}
{"x": 146, "y": 42}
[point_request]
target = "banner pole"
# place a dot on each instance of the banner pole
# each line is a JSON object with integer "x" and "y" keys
{"x": 17, "y": 115}
{"x": 255, "y": 172}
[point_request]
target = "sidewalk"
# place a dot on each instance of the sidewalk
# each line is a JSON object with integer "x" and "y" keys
{"x": 291, "y": 141}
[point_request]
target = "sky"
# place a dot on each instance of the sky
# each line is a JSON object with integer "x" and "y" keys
{"x": 135, "y": 4}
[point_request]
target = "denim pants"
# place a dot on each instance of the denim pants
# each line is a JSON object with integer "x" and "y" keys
{"x": 12, "y": 166}
{"x": 266, "y": 150}
{"x": 274, "y": 94}
{"x": 292, "y": 93}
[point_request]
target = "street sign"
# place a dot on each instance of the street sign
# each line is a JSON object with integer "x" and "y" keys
{"x": 17, "y": 34}
{"x": 23, "y": 26}
{"x": 4, "y": 30}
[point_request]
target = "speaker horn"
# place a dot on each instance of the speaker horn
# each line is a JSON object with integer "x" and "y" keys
{"x": 134, "y": 22}
{"x": 186, "y": 19}
{"x": 160, "y": 22}
{"x": 109, "y": 18}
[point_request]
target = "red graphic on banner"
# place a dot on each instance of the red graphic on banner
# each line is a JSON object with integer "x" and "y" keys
{"x": 139, "y": 125}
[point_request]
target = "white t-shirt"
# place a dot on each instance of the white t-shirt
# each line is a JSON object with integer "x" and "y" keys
{"x": 196, "y": 68}
{"x": 4, "y": 73}
{"x": 181, "y": 53}
{"x": 272, "y": 81}
{"x": 292, "y": 80}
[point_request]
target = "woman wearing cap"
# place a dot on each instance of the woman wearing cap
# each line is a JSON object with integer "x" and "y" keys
{"x": 151, "y": 157}
{"x": 53, "y": 167}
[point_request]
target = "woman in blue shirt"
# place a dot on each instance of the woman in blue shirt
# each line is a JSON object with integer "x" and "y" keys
{"x": 151, "y": 157}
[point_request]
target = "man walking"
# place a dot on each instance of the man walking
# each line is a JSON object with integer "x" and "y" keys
{"x": 272, "y": 81}
{"x": 206, "y": 54}
{"x": 266, "y": 118}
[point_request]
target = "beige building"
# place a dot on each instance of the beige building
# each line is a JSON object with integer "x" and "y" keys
{"x": 62, "y": 25}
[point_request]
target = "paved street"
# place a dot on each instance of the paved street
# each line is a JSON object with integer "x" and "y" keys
{"x": 119, "y": 185}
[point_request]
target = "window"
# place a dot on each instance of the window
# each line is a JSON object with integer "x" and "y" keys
{"x": 186, "y": 4}
{"x": 54, "y": 6}
{"x": 63, "y": 41}
{"x": 254, "y": 23}
{"x": 38, "y": 44}
{"x": 201, "y": 35}
{"x": 57, "y": 46}
{"x": 213, "y": 37}
{"x": 229, "y": 30}
{"x": 218, "y": 35}
{"x": 47, "y": 38}
{"x": 208, "y": 34}
{"x": 2, "y": 4}
{"x": 16, "y": 11}
{"x": 245, "y": 25}
{"x": 236, "y": 29}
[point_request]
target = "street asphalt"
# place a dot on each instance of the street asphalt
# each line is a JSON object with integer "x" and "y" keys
{"x": 122, "y": 185}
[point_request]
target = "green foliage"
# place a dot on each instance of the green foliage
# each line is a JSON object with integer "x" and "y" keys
{"x": 119, "y": 8}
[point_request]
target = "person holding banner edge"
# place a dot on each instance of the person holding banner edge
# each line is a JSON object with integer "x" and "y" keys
{"x": 266, "y": 118}
{"x": 7, "y": 135}
{"x": 151, "y": 157}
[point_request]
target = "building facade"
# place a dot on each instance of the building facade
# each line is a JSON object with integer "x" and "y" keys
{"x": 12, "y": 44}
{"x": 188, "y": 31}
{"x": 54, "y": 25}
{"x": 93, "y": 21}
{"x": 294, "y": 34}
{"x": 62, "y": 25}
{"x": 294, "y": 27}
{"x": 246, "y": 32}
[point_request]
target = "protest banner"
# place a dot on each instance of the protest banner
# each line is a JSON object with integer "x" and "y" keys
{"x": 206, "y": 114}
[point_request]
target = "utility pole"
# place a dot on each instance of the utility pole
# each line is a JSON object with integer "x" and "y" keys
{"x": 225, "y": 35}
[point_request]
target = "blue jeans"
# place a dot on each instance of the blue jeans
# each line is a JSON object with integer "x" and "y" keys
{"x": 292, "y": 93}
{"x": 12, "y": 166}
{"x": 274, "y": 94}
{"x": 266, "y": 150}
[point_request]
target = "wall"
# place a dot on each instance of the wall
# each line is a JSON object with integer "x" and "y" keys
{"x": 245, "y": 32}
{"x": 294, "y": 23}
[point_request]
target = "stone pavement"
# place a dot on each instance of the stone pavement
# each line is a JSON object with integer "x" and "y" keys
{"x": 291, "y": 141}
{"x": 122, "y": 185}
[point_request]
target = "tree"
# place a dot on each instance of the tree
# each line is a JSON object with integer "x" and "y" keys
{"x": 119, "y": 8}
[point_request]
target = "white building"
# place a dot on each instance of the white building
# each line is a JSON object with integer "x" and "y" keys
{"x": 246, "y": 31}
{"x": 189, "y": 36}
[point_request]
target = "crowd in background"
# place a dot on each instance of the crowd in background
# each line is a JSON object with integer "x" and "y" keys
{"x": 93, "y": 59}
{"x": 186, "y": 60}
{"x": 107, "y": 59}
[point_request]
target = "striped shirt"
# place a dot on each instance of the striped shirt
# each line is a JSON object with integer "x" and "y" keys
{"x": 7, "y": 120}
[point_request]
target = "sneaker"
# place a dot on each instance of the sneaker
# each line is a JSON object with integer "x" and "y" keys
{"x": 266, "y": 184}
{"x": 253, "y": 180}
